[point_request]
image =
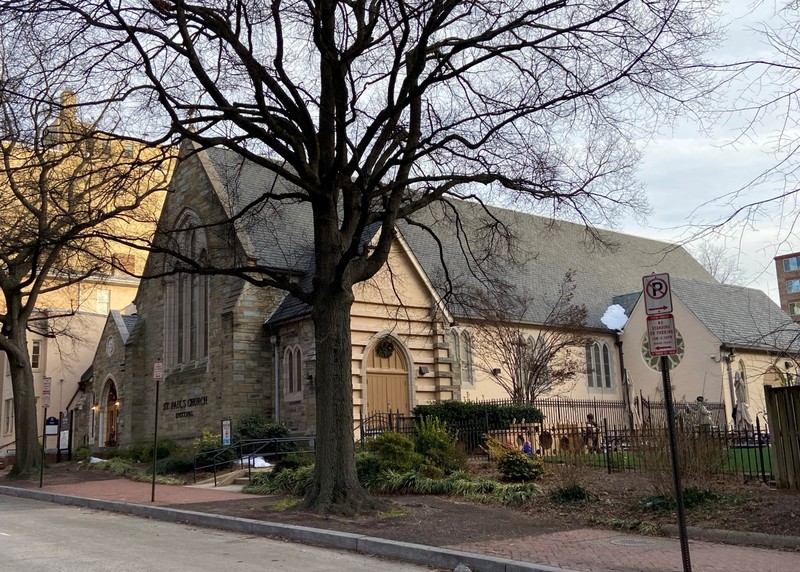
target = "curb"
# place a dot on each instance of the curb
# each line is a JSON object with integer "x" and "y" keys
{"x": 405, "y": 551}
{"x": 735, "y": 537}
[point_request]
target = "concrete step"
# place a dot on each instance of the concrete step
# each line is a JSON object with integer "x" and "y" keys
{"x": 243, "y": 481}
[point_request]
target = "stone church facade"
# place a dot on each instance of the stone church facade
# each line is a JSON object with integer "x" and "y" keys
{"x": 228, "y": 348}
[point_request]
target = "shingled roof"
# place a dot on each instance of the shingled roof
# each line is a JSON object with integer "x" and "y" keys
{"x": 608, "y": 266}
{"x": 738, "y": 317}
{"x": 542, "y": 250}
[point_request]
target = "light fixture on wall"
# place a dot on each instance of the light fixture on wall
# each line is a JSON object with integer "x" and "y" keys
{"x": 423, "y": 370}
{"x": 496, "y": 371}
{"x": 116, "y": 403}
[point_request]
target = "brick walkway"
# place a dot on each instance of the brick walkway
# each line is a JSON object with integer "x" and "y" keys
{"x": 585, "y": 550}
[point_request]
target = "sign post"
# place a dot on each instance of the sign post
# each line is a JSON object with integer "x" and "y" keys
{"x": 226, "y": 431}
{"x": 158, "y": 375}
{"x": 662, "y": 338}
{"x": 47, "y": 384}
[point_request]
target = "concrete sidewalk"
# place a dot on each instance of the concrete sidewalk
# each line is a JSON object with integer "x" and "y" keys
{"x": 585, "y": 550}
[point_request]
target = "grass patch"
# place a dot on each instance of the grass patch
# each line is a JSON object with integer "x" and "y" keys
{"x": 748, "y": 460}
{"x": 392, "y": 512}
{"x": 285, "y": 504}
{"x": 627, "y": 524}
{"x": 692, "y": 497}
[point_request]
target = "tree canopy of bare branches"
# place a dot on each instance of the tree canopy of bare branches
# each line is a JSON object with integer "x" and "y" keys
{"x": 533, "y": 359}
{"x": 65, "y": 185}
{"x": 374, "y": 110}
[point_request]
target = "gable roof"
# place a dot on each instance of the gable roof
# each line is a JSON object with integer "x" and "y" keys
{"x": 542, "y": 250}
{"x": 278, "y": 233}
{"x": 539, "y": 252}
{"x": 738, "y": 317}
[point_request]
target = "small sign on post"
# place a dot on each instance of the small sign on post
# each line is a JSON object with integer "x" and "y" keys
{"x": 47, "y": 384}
{"x": 226, "y": 431}
{"x": 657, "y": 294}
{"x": 158, "y": 370}
{"x": 51, "y": 426}
{"x": 661, "y": 335}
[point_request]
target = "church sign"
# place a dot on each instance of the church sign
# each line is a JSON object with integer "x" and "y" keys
{"x": 184, "y": 407}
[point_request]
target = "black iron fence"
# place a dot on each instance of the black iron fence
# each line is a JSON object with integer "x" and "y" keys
{"x": 643, "y": 411}
{"x": 705, "y": 450}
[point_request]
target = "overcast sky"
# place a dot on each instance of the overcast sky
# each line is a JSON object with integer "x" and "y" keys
{"x": 685, "y": 169}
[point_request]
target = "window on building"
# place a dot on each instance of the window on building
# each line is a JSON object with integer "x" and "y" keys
{"x": 292, "y": 369}
{"x": 103, "y": 301}
{"x": 461, "y": 341}
{"x": 598, "y": 365}
{"x": 186, "y": 311}
{"x": 8, "y": 416}
{"x": 794, "y": 308}
{"x": 36, "y": 354}
{"x": 791, "y": 264}
{"x": 793, "y": 286}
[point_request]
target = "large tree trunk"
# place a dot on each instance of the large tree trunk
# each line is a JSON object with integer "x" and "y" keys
{"x": 25, "y": 423}
{"x": 336, "y": 488}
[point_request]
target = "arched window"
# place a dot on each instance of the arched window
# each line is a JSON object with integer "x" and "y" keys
{"x": 461, "y": 341}
{"x": 186, "y": 309}
{"x": 598, "y": 365}
{"x": 292, "y": 369}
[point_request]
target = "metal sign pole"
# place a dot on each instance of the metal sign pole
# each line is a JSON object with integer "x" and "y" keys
{"x": 158, "y": 374}
{"x": 44, "y": 439}
{"x": 676, "y": 469}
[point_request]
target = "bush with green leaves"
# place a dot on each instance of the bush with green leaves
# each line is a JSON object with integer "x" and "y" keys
{"x": 574, "y": 493}
{"x": 164, "y": 448}
{"x": 438, "y": 447}
{"x": 392, "y": 450}
{"x": 517, "y": 466}
{"x": 258, "y": 427}
{"x": 289, "y": 481}
{"x": 208, "y": 450}
{"x": 486, "y": 415}
{"x": 83, "y": 452}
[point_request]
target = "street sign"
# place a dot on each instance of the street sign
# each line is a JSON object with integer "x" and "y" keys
{"x": 158, "y": 370}
{"x": 657, "y": 294}
{"x": 661, "y": 335}
{"x": 47, "y": 384}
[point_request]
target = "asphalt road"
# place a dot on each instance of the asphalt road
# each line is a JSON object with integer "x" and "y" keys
{"x": 37, "y": 536}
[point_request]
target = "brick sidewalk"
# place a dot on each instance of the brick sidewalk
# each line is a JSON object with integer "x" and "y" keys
{"x": 585, "y": 550}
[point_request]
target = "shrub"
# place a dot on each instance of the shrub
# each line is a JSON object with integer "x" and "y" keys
{"x": 258, "y": 427}
{"x": 136, "y": 453}
{"x": 164, "y": 448}
{"x": 293, "y": 461}
{"x": 517, "y": 466}
{"x": 393, "y": 450}
{"x": 570, "y": 493}
{"x": 368, "y": 468}
{"x": 487, "y": 415}
{"x": 174, "y": 464}
{"x": 83, "y": 452}
{"x": 291, "y": 481}
{"x": 208, "y": 450}
{"x": 437, "y": 447}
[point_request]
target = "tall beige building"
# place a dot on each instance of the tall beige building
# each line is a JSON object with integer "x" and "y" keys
{"x": 77, "y": 311}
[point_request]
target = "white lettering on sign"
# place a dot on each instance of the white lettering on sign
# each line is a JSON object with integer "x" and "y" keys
{"x": 662, "y": 335}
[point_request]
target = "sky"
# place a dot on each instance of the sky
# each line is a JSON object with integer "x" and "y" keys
{"x": 686, "y": 169}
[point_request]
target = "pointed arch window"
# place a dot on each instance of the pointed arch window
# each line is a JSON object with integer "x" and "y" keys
{"x": 598, "y": 366}
{"x": 461, "y": 341}
{"x": 293, "y": 370}
{"x": 186, "y": 308}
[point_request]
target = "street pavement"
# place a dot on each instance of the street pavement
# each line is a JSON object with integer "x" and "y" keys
{"x": 583, "y": 550}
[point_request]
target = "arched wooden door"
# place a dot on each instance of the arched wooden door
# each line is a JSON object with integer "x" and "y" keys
{"x": 387, "y": 379}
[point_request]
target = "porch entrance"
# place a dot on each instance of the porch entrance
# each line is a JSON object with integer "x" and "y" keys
{"x": 387, "y": 380}
{"x": 112, "y": 415}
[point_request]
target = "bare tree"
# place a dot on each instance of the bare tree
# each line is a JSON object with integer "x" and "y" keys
{"x": 375, "y": 110}
{"x": 533, "y": 359}
{"x": 715, "y": 257}
{"x": 64, "y": 184}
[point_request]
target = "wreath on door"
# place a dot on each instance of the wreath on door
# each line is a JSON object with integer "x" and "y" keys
{"x": 384, "y": 348}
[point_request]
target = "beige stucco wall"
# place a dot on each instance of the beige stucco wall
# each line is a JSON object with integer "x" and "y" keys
{"x": 63, "y": 359}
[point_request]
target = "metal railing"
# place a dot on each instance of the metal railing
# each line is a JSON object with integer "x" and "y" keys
{"x": 247, "y": 450}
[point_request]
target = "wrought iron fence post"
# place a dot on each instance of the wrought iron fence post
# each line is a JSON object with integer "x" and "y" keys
{"x": 605, "y": 444}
